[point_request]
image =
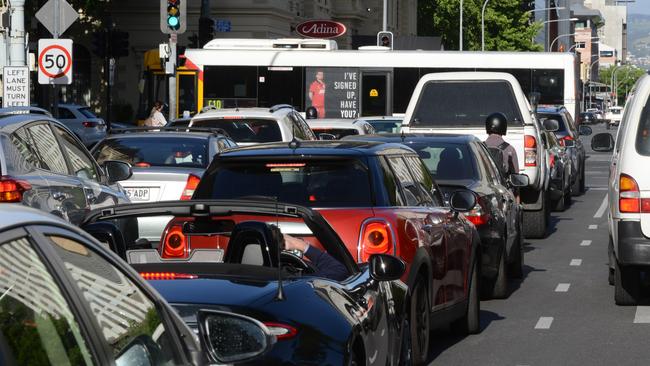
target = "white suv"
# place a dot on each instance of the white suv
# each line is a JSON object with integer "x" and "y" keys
{"x": 629, "y": 195}
{"x": 248, "y": 126}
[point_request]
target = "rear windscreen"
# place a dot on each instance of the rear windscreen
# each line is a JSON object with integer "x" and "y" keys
{"x": 155, "y": 151}
{"x": 339, "y": 133}
{"x": 643, "y": 134}
{"x": 245, "y": 129}
{"x": 464, "y": 104}
{"x": 87, "y": 112}
{"x": 558, "y": 118}
{"x": 447, "y": 161}
{"x": 317, "y": 183}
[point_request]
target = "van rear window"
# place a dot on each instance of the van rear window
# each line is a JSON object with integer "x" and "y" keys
{"x": 464, "y": 104}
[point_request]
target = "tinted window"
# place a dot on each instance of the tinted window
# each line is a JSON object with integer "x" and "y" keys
{"x": 245, "y": 130}
{"x": 35, "y": 318}
{"x": 405, "y": 80}
{"x": 87, "y": 112}
{"x": 49, "y": 152}
{"x": 155, "y": 151}
{"x": 557, "y": 117}
{"x": 296, "y": 128}
{"x": 410, "y": 190}
{"x": 20, "y": 155}
{"x": 489, "y": 165}
{"x": 464, "y": 103}
{"x": 447, "y": 161}
{"x": 338, "y": 183}
{"x": 550, "y": 85}
{"x": 65, "y": 113}
{"x": 79, "y": 159}
{"x": 230, "y": 86}
{"x": 422, "y": 177}
{"x": 643, "y": 133}
{"x": 390, "y": 183}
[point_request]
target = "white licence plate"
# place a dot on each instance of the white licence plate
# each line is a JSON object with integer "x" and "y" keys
{"x": 138, "y": 194}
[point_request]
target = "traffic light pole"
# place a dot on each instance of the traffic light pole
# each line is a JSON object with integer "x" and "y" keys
{"x": 173, "y": 40}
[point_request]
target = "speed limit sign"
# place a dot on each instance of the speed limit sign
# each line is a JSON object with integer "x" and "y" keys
{"x": 55, "y": 61}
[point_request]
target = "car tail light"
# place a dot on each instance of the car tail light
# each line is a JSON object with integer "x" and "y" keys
{"x": 530, "y": 151}
{"x": 281, "y": 331}
{"x": 376, "y": 238}
{"x": 629, "y": 198}
{"x": 90, "y": 124}
{"x": 174, "y": 243}
{"x": 551, "y": 161}
{"x": 11, "y": 190}
{"x": 478, "y": 215}
{"x": 142, "y": 165}
{"x": 190, "y": 186}
{"x": 564, "y": 139}
{"x": 166, "y": 276}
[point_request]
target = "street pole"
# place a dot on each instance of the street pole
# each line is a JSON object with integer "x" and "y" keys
{"x": 550, "y": 49}
{"x": 460, "y": 40}
{"x": 57, "y": 16}
{"x": 17, "y": 34}
{"x": 384, "y": 24}
{"x": 173, "y": 39}
{"x": 483, "y": 25}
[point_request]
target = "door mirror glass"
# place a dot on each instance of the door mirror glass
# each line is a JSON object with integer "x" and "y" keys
{"x": 551, "y": 125}
{"x": 518, "y": 180}
{"x": 117, "y": 170}
{"x": 326, "y": 136}
{"x": 602, "y": 142}
{"x": 462, "y": 201}
{"x": 231, "y": 338}
{"x": 384, "y": 267}
{"x": 585, "y": 131}
{"x": 135, "y": 353}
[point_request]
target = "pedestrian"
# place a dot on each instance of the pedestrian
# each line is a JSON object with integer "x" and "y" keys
{"x": 156, "y": 118}
{"x": 496, "y": 126}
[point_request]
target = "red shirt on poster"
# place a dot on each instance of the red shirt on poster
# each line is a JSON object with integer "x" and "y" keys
{"x": 317, "y": 92}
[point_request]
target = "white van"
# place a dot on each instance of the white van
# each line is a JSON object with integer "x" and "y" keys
{"x": 629, "y": 195}
{"x": 459, "y": 102}
{"x": 613, "y": 116}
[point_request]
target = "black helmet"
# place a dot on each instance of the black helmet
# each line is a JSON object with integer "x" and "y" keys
{"x": 496, "y": 123}
{"x": 311, "y": 113}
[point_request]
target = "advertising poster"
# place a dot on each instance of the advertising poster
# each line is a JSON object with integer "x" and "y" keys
{"x": 333, "y": 92}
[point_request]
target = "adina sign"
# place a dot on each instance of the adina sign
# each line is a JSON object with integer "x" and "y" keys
{"x": 320, "y": 29}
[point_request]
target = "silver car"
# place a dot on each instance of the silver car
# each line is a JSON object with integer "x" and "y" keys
{"x": 83, "y": 122}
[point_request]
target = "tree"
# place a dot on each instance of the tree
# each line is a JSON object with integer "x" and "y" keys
{"x": 508, "y": 25}
{"x": 626, "y": 76}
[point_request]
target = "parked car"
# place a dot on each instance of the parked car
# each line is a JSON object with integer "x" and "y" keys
{"x": 459, "y": 103}
{"x": 384, "y": 124}
{"x": 379, "y": 198}
{"x": 82, "y": 122}
{"x": 629, "y": 205}
{"x": 559, "y": 163}
{"x": 67, "y": 299}
{"x": 613, "y": 116}
{"x": 248, "y": 126}
{"x": 598, "y": 114}
{"x": 463, "y": 162}
{"x": 335, "y": 129}
{"x": 569, "y": 137}
{"x": 588, "y": 118}
{"x": 316, "y": 319}
{"x": 44, "y": 165}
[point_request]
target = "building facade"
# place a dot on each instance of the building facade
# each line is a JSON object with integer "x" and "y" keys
{"x": 614, "y": 31}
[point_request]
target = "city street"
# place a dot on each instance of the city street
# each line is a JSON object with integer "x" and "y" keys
{"x": 563, "y": 311}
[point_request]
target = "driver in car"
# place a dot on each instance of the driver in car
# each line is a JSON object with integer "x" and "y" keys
{"x": 326, "y": 265}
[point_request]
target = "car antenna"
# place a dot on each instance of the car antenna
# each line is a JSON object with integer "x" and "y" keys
{"x": 279, "y": 296}
{"x": 402, "y": 136}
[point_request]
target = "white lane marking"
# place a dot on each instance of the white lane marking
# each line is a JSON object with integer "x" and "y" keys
{"x": 642, "y": 314}
{"x": 575, "y": 262}
{"x": 601, "y": 209}
{"x": 597, "y": 188}
{"x": 593, "y": 227}
{"x": 544, "y": 322}
{"x": 562, "y": 287}
{"x": 585, "y": 243}
{"x": 373, "y": 358}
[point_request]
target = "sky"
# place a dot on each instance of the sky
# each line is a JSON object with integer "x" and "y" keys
{"x": 639, "y": 7}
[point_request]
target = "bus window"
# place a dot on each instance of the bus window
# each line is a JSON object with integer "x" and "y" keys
{"x": 404, "y": 82}
{"x": 230, "y": 86}
{"x": 523, "y": 76}
{"x": 375, "y": 95}
{"x": 280, "y": 85}
{"x": 550, "y": 84}
{"x": 186, "y": 93}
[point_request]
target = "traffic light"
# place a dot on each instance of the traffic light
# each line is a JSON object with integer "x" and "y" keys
{"x": 119, "y": 43}
{"x": 385, "y": 39}
{"x": 172, "y": 16}
{"x": 99, "y": 43}
{"x": 206, "y": 30}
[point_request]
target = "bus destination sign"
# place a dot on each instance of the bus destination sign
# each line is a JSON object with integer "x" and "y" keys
{"x": 321, "y": 29}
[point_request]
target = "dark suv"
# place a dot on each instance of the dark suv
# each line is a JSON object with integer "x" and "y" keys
{"x": 380, "y": 198}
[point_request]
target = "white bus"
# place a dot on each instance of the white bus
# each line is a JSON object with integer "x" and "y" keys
{"x": 351, "y": 83}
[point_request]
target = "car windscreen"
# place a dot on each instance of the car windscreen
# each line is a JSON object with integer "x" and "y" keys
{"x": 87, "y": 112}
{"x": 464, "y": 103}
{"x": 557, "y": 117}
{"x": 643, "y": 133}
{"x": 148, "y": 151}
{"x": 312, "y": 183}
{"x": 245, "y": 129}
{"x": 447, "y": 161}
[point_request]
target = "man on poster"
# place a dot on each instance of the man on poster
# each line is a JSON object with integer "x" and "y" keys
{"x": 317, "y": 94}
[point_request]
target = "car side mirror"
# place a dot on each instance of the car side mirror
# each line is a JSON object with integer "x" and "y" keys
{"x": 117, "y": 170}
{"x": 518, "y": 180}
{"x": 462, "y": 200}
{"x": 232, "y": 338}
{"x": 585, "y": 131}
{"x": 384, "y": 267}
{"x": 551, "y": 125}
{"x": 602, "y": 142}
{"x": 140, "y": 351}
{"x": 326, "y": 136}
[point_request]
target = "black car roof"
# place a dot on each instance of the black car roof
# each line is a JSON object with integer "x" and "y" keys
{"x": 337, "y": 148}
{"x": 415, "y": 137}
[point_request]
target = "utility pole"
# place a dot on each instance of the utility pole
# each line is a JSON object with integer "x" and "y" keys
{"x": 460, "y": 31}
{"x": 57, "y": 13}
{"x": 173, "y": 40}
{"x": 17, "y": 34}
{"x": 384, "y": 22}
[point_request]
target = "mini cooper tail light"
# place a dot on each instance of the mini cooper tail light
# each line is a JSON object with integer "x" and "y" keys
{"x": 174, "y": 243}
{"x": 530, "y": 150}
{"x": 166, "y": 276}
{"x": 11, "y": 190}
{"x": 376, "y": 238}
{"x": 190, "y": 186}
{"x": 281, "y": 331}
{"x": 629, "y": 196}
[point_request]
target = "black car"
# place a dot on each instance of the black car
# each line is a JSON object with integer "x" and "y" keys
{"x": 559, "y": 163}
{"x": 238, "y": 264}
{"x": 463, "y": 162}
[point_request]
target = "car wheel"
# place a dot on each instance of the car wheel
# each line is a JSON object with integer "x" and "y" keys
{"x": 405, "y": 357}
{"x": 626, "y": 284}
{"x": 500, "y": 285}
{"x": 516, "y": 268}
{"x": 534, "y": 222}
{"x": 419, "y": 323}
{"x": 470, "y": 323}
{"x": 610, "y": 268}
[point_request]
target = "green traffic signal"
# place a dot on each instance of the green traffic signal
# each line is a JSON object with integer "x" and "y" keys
{"x": 172, "y": 16}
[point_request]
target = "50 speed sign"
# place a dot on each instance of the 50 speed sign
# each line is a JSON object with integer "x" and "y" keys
{"x": 55, "y": 61}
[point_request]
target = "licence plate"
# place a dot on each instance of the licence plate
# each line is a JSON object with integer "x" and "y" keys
{"x": 138, "y": 194}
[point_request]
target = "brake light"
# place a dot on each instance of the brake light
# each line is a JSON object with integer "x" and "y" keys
{"x": 285, "y": 165}
{"x": 530, "y": 151}
{"x": 11, "y": 190}
{"x": 174, "y": 243}
{"x": 551, "y": 161}
{"x": 281, "y": 331}
{"x": 89, "y": 124}
{"x": 166, "y": 276}
{"x": 629, "y": 195}
{"x": 478, "y": 215}
{"x": 190, "y": 186}
{"x": 142, "y": 165}
{"x": 376, "y": 238}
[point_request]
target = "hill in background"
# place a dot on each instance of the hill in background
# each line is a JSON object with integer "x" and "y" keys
{"x": 638, "y": 39}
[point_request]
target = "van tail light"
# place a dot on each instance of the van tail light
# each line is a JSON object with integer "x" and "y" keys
{"x": 376, "y": 238}
{"x": 90, "y": 124}
{"x": 166, "y": 276}
{"x": 564, "y": 139}
{"x": 478, "y": 215}
{"x": 281, "y": 331}
{"x": 629, "y": 197}
{"x": 11, "y": 190}
{"x": 190, "y": 186}
{"x": 175, "y": 243}
{"x": 530, "y": 151}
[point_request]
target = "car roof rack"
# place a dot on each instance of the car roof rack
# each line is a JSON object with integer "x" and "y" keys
{"x": 277, "y": 107}
{"x": 212, "y": 130}
{"x": 12, "y": 111}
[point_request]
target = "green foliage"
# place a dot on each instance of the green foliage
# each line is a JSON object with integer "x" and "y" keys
{"x": 507, "y": 25}
{"x": 626, "y": 75}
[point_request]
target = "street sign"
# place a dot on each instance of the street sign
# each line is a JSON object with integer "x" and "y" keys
{"x": 15, "y": 86}
{"x": 55, "y": 61}
{"x": 67, "y": 16}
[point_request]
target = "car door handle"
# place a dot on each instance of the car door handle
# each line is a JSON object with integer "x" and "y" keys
{"x": 59, "y": 196}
